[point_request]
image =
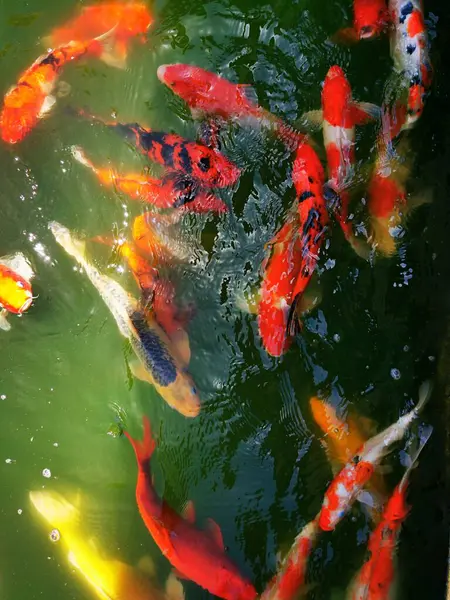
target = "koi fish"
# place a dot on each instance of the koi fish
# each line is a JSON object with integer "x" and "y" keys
{"x": 107, "y": 577}
{"x": 350, "y": 481}
{"x": 376, "y": 578}
{"x": 342, "y": 441}
{"x": 16, "y": 295}
{"x": 409, "y": 50}
{"x": 206, "y": 165}
{"x": 370, "y": 19}
{"x": 31, "y": 98}
{"x": 209, "y": 94}
{"x": 338, "y": 117}
{"x": 130, "y": 19}
{"x": 160, "y": 361}
{"x": 195, "y": 554}
{"x": 170, "y": 192}
{"x": 289, "y": 582}
{"x": 308, "y": 179}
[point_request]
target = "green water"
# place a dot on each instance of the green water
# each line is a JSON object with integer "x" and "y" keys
{"x": 252, "y": 460}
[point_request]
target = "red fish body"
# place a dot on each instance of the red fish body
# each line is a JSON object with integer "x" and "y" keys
{"x": 205, "y": 165}
{"x": 197, "y": 555}
{"x": 308, "y": 178}
{"x": 289, "y": 582}
{"x": 210, "y": 94}
{"x": 129, "y": 19}
{"x": 409, "y": 48}
{"x": 182, "y": 193}
{"x": 280, "y": 272}
{"x": 30, "y": 99}
{"x": 349, "y": 483}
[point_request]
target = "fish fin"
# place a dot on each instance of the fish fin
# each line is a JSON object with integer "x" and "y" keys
{"x": 111, "y": 49}
{"x": 145, "y": 448}
{"x": 347, "y": 36}
{"x": 424, "y": 395}
{"x": 71, "y": 245}
{"x": 361, "y": 112}
{"x": 425, "y": 197}
{"x": 180, "y": 340}
{"x": 249, "y": 92}
{"x": 367, "y": 498}
{"x": 147, "y": 566}
{"x": 19, "y": 263}
{"x": 179, "y": 575}
{"x": 215, "y": 533}
{"x": 312, "y": 119}
{"x": 411, "y": 459}
{"x": 47, "y": 106}
{"x": 293, "y": 322}
{"x": 4, "y": 325}
{"x": 174, "y": 588}
{"x": 383, "y": 469}
{"x": 63, "y": 89}
{"x": 189, "y": 512}
{"x": 79, "y": 155}
{"x": 360, "y": 246}
{"x": 363, "y": 425}
{"x": 139, "y": 371}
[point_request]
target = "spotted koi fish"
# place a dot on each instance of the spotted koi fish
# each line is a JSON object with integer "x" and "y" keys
{"x": 308, "y": 178}
{"x": 180, "y": 192}
{"x": 31, "y": 98}
{"x": 289, "y": 582}
{"x": 160, "y": 362}
{"x": 350, "y": 481}
{"x": 409, "y": 49}
{"x": 376, "y": 578}
{"x": 206, "y": 165}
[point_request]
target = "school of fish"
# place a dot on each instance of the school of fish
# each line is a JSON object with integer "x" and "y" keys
{"x": 156, "y": 323}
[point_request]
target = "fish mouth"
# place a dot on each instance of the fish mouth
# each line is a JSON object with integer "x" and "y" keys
{"x": 191, "y": 411}
{"x": 366, "y": 32}
{"x": 26, "y": 305}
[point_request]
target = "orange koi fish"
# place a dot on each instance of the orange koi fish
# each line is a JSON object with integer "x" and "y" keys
{"x": 16, "y": 295}
{"x": 31, "y": 98}
{"x": 370, "y": 19}
{"x": 308, "y": 179}
{"x": 376, "y": 578}
{"x": 130, "y": 19}
{"x": 197, "y": 555}
{"x": 170, "y": 192}
{"x": 209, "y": 94}
{"x": 289, "y": 582}
{"x": 350, "y": 481}
{"x": 338, "y": 117}
{"x": 342, "y": 441}
{"x": 409, "y": 49}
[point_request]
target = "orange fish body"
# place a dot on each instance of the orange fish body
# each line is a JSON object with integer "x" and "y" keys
{"x": 129, "y": 19}
{"x": 15, "y": 291}
{"x": 289, "y": 582}
{"x": 197, "y": 555}
{"x": 30, "y": 99}
{"x": 280, "y": 272}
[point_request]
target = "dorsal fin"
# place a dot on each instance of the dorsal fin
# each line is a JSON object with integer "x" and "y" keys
{"x": 215, "y": 533}
{"x": 189, "y": 512}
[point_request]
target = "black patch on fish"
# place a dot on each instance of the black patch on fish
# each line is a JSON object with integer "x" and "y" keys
{"x": 204, "y": 164}
{"x": 162, "y": 366}
{"x": 416, "y": 79}
{"x": 410, "y": 48}
{"x": 313, "y": 215}
{"x": 147, "y": 139}
{"x": 185, "y": 191}
{"x": 405, "y": 10}
{"x": 51, "y": 60}
{"x": 185, "y": 159}
{"x": 167, "y": 155}
{"x": 305, "y": 196}
{"x": 127, "y": 130}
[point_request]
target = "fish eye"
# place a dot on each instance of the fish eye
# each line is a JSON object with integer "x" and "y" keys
{"x": 193, "y": 390}
{"x": 310, "y": 179}
{"x": 336, "y": 430}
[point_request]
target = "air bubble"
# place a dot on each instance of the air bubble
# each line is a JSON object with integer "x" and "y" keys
{"x": 395, "y": 374}
{"x": 55, "y": 536}
{"x": 47, "y": 473}
{"x": 336, "y": 337}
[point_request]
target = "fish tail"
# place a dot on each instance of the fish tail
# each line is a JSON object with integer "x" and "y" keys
{"x": 413, "y": 457}
{"x": 146, "y": 447}
{"x": 424, "y": 395}
{"x": 79, "y": 155}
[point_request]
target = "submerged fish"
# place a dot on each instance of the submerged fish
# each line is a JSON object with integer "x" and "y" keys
{"x": 182, "y": 193}
{"x": 129, "y": 19}
{"x": 289, "y": 582}
{"x": 195, "y": 554}
{"x": 31, "y": 98}
{"x": 376, "y": 579}
{"x": 370, "y": 18}
{"x": 409, "y": 49}
{"x": 350, "y": 481}
{"x": 160, "y": 361}
{"x": 109, "y": 578}
{"x": 16, "y": 295}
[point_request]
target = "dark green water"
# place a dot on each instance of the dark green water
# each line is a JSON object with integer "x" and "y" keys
{"x": 252, "y": 460}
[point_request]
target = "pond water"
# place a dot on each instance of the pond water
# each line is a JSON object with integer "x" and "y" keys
{"x": 252, "y": 460}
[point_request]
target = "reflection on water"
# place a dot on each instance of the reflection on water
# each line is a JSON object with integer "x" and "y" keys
{"x": 252, "y": 460}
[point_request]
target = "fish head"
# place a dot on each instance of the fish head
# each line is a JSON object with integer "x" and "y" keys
{"x": 336, "y": 96}
{"x": 326, "y": 418}
{"x": 228, "y": 172}
{"x": 54, "y": 508}
{"x": 307, "y": 173}
{"x": 185, "y": 81}
{"x": 182, "y": 395}
{"x": 416, "y": 97}
{"x": 371, "y": 17}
